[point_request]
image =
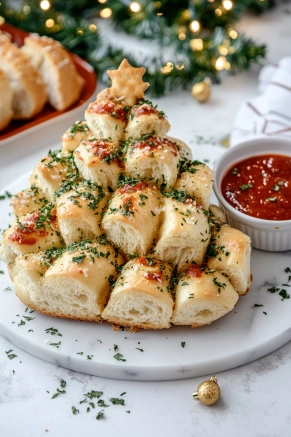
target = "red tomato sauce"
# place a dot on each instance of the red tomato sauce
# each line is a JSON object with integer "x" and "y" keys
{"x": 108, "y": 107}
{"x": 260, "y": 186}
{"x": 27, "y": 233}
{"x": 139, "y": 186}
{"x": 103, "y": 149}
{"x": 154, "y": 143}
{"x": 143, "y": 110}
{"x": 194, "y": 271}
{"x": 154, "y": 276}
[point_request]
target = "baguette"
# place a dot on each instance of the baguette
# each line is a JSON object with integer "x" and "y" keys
{"x": 196, "y": 179}
{"x": 144, "y": 118}
{"x": 140, "y": 298}
{"x": 29, "y": 94}
{"x": 6, "y": 93}
{"x": 28, "y": 201}
{"x": 229, "y": 253}
{"x": 65, "y": 288}
{"x": 97, "y": 161}
{"x": 31, "y": 233}
{"x": 73, "y": 136}
{"x": 79, "y": 212}
{"x": 202, "y": 297}
{"x": 132, "y": 217}
{"x": 57, "y": 69}
{"x": 155, "y": 159}
{"x": 184, "y": 233}
{"x": 106, "y": 119}
{"x": 52, "y": 172}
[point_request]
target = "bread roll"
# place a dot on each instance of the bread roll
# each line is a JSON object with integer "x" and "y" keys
{"x": 29, "y": 95}
{"x": 229, "y": 252}
{"x": 202, "y": 297}
{"x": 196, "y": 179}
{"x": 73, "y": 136}
{"x": 6, "y": 112}
{"x": 77, "y": 283}
{"x": 140, "y": 298}
{"x": 132, "y": 217}
{"x": 31, "y": 233}
{"x": 144, "y": 118}
{"x": 79, "y": 212}
{"x": 27, "y": 201}
{"x": 97, "y": 161}
{"x": 106, "y": 119}
{"x": 57, "y": 69}
{"x": 184, "y": 151}
{"x": 153, "y": 158}
{"x": 54, "y": 171}
{"x": 184, "y": 233}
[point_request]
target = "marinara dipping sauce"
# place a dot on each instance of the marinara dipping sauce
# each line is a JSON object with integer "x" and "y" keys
{"x": 260, "y": 186}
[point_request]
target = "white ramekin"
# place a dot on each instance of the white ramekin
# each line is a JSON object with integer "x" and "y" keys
{"x": 271, "y": 235}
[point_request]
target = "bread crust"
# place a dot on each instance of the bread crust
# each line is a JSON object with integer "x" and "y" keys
{"x": 58, "y": 71}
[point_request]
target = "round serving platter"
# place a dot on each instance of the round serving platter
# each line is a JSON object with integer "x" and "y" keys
{"x": 259, "y": 324}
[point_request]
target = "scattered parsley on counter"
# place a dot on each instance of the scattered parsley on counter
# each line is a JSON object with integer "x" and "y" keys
{"x": 117, "y": 401}
{"x": 257, "y": 305}
{"x": 74, "y": 410}
{"x": 183, "y": 343}
{"x": 10, "y": 355}
{"x": 100, "y": 415}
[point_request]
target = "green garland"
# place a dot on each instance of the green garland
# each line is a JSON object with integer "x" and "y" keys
{"x": 212, "y": 47}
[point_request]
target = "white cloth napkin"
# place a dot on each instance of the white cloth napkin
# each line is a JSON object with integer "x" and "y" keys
{"x": 270, "y": 112}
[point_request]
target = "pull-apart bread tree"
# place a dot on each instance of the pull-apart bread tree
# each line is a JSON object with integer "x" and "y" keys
{"x": 118, "y": 226}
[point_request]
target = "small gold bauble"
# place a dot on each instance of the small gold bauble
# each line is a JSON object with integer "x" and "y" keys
{"x": 201, "y": 91}
{"x": 208, "y": 392}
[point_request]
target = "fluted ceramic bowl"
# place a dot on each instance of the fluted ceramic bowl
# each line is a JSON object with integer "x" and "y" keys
{"x": 270, "y": 235}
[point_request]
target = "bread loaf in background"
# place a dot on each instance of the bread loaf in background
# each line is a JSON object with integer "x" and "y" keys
{"x": 57, "y": 69}
{"x": 6, "y": 93}
{"x": 28, "y": 91}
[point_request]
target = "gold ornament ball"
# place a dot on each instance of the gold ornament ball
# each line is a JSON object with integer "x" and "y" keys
{"x": 208, "y": 392}
{"x": 201, "y": 91}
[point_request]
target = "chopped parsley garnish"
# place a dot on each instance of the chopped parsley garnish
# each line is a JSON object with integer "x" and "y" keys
{"x": 183, "y": 343}
{"x": 245, "y": 187}
{"x": 119, "y": 357}
{"x": 117, "y": 401}
{"x": 220, "y": 285}
{"x": 57, "y": 345}
{"x": 257, "y": 305}
{"x": 78, "y": 259}
{"x": 53, "y": 331}
{"x": 74, "y": 410}
{"x": 100, "y": 415}
{"x": 10, "y": 355}
{"x": 283, "y": 293}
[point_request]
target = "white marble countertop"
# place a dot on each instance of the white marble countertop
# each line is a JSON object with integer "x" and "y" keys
{"x": 255, "y": 397}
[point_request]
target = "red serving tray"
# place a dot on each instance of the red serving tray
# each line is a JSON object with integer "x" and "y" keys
{"x": 84, "y": 69}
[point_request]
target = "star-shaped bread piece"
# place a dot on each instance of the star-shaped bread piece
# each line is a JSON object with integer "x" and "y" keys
{"x": 127, "y": 83}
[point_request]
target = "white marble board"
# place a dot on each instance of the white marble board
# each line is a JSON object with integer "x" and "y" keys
{"x": 240, "y": 337}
